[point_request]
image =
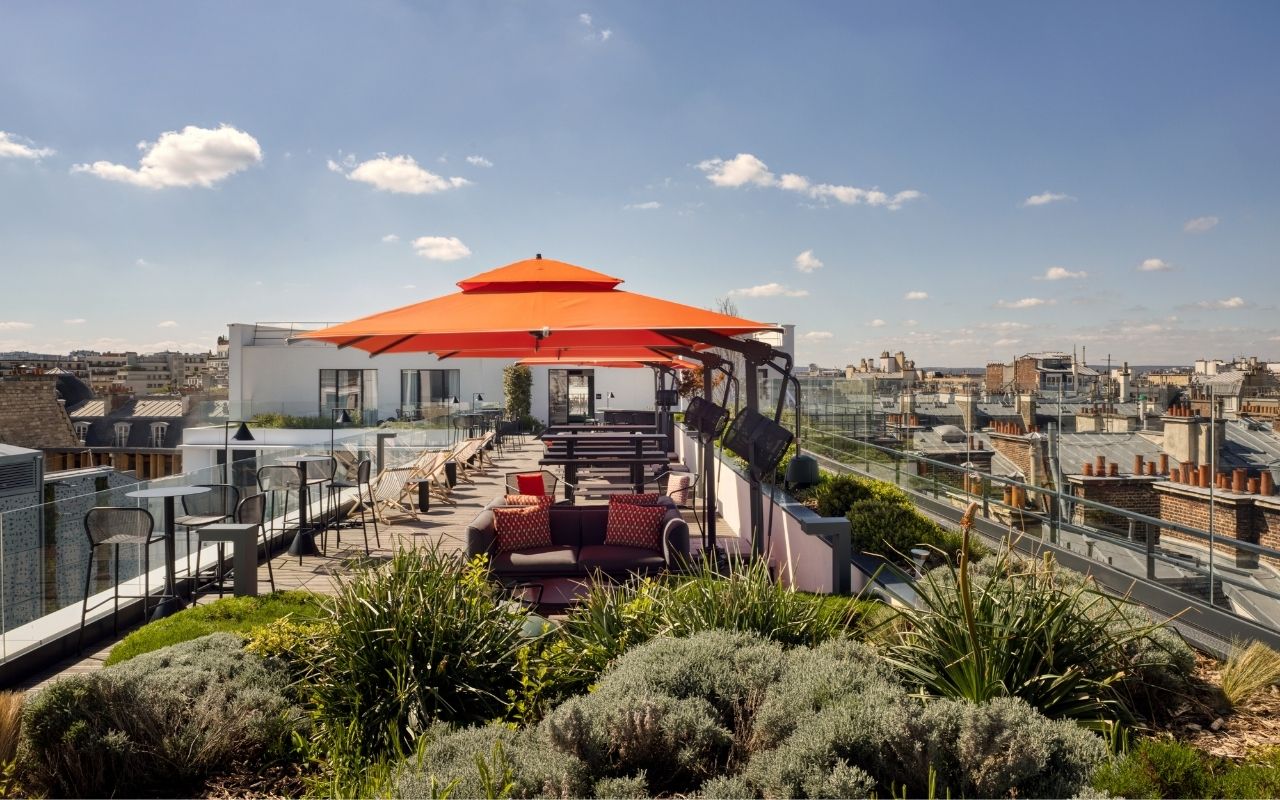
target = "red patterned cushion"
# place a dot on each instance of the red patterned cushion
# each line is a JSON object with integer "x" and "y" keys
{"x": 635, "y": 525}
{"x": 531, "y": 483}
{"x": 678, "y": 488}
{"x": 647, "y": 499}
{"x": 540, "y": 500}
{"x": 522, "y": 528}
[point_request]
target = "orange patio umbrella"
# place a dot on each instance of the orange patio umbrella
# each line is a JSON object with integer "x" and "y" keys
{"x": 534, "y": 305}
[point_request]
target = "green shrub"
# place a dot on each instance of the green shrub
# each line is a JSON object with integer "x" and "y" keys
{"x": 473, "y": 762}
{"x": 891, "y": 529}
{"x": 836, "y": 493}
{"x": 727, "y": 787}
{"x": 419, "y": 638}
{"x": 1156, "y": 768}
{"x": 632, "y": 787}
{"x": 1260, "y": 777}
{"x": 1001, "y": 748}
{"x": 231, "y": 614}
{"x": 158, "y": 723}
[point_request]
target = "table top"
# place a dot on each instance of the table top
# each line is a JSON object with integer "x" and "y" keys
{"x": 603, "y": 461}
{"x": 168, "y": 491}
{"x": 307, "y": 459}
{"x": 603, "y": 436}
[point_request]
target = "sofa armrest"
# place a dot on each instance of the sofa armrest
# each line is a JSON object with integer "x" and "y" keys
{"x": 675, "y": 540}
{"x": 481, "y": 535}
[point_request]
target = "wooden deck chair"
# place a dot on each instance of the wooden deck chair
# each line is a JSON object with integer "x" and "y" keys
{"x": 390, "y": 490}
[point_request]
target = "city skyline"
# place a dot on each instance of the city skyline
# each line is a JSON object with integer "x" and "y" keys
{"x": 966, "y": 184}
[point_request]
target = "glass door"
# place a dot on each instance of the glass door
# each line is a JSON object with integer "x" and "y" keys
{"x": 582, "y": 397}
{"x": 558, "y": 396}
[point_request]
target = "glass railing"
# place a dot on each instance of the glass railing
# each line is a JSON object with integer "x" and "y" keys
{"x": 1230, "y": 574}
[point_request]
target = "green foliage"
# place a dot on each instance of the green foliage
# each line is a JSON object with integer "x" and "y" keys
{"x": 231, "y": 614}
{"x": 420, "y": 638}
{"x": 1249, "y": 671}
{"x": 632, "y": 787}
{"x": 1164, "y": 768}
{"x": 158, "y": 723}
{"x": 491, "y": 761}
{"x": 517, "y": 390}
{"x": 278, "y": 420}
{"x": 891, "y": 530}
{"x": 1062, "y": 646}
{"x": 727, "y": 787}
{"x": 1259, "y": 777}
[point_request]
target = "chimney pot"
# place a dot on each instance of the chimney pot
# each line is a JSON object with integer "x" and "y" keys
{"x": 1164, "y": 464}
{"x": 1151, "y": 468}
{"x": 1088, "y": 469}
{"x": 1254, "y": 486}
{"x": 1267, "y": 484}
{"x": 1205, "y": 477}
{"x": 1239, "y": 477}
{"x": 1101, "y": 464}
{"x": 1137, "y": 464}
{"x": 1113, "y": 470}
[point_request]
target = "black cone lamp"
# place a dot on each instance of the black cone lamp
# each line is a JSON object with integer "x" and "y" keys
{"x": 243, "y": 434}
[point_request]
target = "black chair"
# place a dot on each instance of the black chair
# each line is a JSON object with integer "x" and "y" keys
{"x": 364, "y": 489}
{"x": 216, "y": 505}
{"x": 278, "y": 479}
{"x": 320, "y": 474}
{"x": 108, "y": 526}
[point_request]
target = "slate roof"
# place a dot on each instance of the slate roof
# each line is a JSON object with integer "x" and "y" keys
{"x": 140, "y": 413}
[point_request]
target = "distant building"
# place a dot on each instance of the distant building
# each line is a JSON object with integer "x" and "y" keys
{"x": 1041, "y": 372}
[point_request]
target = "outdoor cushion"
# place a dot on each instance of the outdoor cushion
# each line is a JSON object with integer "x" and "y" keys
{"x": 618, "y": 558}
{"x": 678, "y": 488}
{"x": 531, "y": 483}
{"x": 635, "y": 526}
{"x": 521, "y": 528}
{"x": 647, "y": 499}
{"x": 538, "y": 561}
{"x": 540, "y": 500}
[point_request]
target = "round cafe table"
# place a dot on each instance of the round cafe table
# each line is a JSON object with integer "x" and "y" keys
{"x": 304, "y": 541}
{"x": 170, "y": 603}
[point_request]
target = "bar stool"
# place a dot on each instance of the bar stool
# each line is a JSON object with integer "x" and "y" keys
{"x": 109, "y": 526}
{"x": 278, "y": 479}
{"x": 216, "y": 505}
{"x": 364, "y": 488}
{"x": 318, "y": 474}
{"x": 252, "y": 510}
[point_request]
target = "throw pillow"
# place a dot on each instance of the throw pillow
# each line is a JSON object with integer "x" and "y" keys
{"x": 678, "y": 488}
{"x": 646, "y": 499}
{"x": 541, "y": 500}
{"x": 531, "y": 483}
{"x": 635, "y": 526}
{"x": 522, "y": 528}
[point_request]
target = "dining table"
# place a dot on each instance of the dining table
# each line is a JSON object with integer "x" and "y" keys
{"x": 304, "y": 541}
{"x": 170, "y": 602}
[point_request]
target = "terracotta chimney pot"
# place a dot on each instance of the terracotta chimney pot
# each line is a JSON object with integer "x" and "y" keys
{"x": 1113, "y": 470}
{"x": 1254, "y": 486}
{"x": 1137, "y": 464}
{"x": 1164, "y": 464}
{"x": 1088, "y": 469}
{"x": 1205, "y": 477}
{"x": 1267, "y": 484}
{"x": 1101, "y": 465}
{"x": 1238, "y": 478}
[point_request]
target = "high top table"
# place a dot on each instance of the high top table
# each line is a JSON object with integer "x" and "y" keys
{"x": 304, "y": 541}
{"x": 170, "y": 603}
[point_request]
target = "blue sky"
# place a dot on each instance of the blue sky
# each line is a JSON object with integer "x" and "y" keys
{"x": 1047, "y": 176}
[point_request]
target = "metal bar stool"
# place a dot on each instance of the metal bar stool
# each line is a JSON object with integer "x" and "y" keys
{"x": 277, "y": 479}
{"x": 364, "y": 488}
{"x": 109, "y": 526}
{"x": 321, "y": 474}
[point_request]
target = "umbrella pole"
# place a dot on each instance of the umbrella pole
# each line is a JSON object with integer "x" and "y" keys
{"x": 756, "y": 498}
{"x": 708, "y": 470}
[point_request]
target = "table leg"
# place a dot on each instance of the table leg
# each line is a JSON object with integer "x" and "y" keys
{"x": 304, "y": 541}
{"x": 570, "y": 478}
{"x": 170, "y": 603}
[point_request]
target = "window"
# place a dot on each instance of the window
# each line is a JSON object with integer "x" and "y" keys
{"x": 122, "y": 434}
{"x": 353, "y": 389}
{"x": 82, "y": 431}
{"x": 425, "y": 387}
{"x": 158, "y": 432}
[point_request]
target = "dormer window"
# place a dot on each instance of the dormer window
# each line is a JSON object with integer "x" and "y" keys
{"x": 122, "y": 434}
{"x": 158, "y": 431}
{"x": 82, "y": 431}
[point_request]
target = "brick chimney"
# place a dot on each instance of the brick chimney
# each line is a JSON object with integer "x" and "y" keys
{"x": 968, "y": 405}
{"x": 1181, "y": 441}
{"x": 1027, "y": 410}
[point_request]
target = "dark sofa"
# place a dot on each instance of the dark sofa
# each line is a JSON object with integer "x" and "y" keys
{"x": 578, "y": 548}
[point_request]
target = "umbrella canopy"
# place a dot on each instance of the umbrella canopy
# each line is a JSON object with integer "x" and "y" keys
{"x": 526, "y": 308}
{"x": 610, "y": 363}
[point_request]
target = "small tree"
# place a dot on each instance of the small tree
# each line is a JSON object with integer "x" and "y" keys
{"x": 517, "y": 388}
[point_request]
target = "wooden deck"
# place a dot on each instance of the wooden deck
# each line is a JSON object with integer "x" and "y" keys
{"x": 444, "y": 527}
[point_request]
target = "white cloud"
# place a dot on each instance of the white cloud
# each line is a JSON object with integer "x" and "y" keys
{"x": 808, "y": 262}
{"x": 1003, "y": 342}
{"x": 877, "y": 323}
{"x": 479, "y": 161}
{"x": 390, "y": 238}
{"x": 769, "y": 290}
{"x": 815, "y": 336}
{"x": 409, "y": 286}
{"x": 440, "y": 248}
{"x": 1026, "y": 302}
{"x": 76, "y": 321}
{"x": 1045, "y": 198}
{"x": 916, "y": 295}
{"x": 592, "y": 33}
{"x": 1061, "y": 274}
{"x": 648, "y": 205}
{"x": 911, "y": 323}
{"x": 15, "y": 326}
{"x": 1201, "y": 224}
{"x": 142, "y": 262}
{"x": 740, "y": 170}
{"x": 1004, "y": 326}
{"x": 1154, "y": 265}
{"x": 399, "y": 174}
{"x": 193, "y": 157}
{"x": 168, "y": 323}
{"x": 1228, "y": 303}
{"x": 14, "y": 146}
{"x": 746, "y": 169}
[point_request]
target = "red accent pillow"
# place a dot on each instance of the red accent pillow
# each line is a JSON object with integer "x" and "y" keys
{"x": 541, "y": 500}
{"x": 635, "y": 526}
{"x": 647, "y": 499}
{"x": 521, "y": 528}
{"x": 531, "y": 483}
